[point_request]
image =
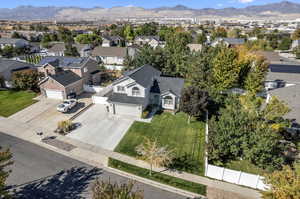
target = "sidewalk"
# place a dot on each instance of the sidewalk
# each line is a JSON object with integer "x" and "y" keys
{"x": 97, "y": 156}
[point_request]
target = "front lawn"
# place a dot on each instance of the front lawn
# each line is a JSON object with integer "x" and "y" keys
{"x": 187, "y": 140}
{"x": 14, "y": 101}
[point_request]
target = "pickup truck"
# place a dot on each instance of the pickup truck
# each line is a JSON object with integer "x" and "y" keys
{"x": 66, "y": 105}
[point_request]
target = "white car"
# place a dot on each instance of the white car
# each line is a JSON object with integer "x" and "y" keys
{"x": 66, "y": 105}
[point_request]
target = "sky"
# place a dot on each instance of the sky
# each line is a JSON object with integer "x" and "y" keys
{"x": 141, "y": 3}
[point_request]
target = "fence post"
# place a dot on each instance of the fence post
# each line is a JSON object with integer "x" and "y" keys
{"x": 223, "y": 173}
{"x": 258, "y": 176}
{"x": 206, "y": 142}
{"x": 239, "y": 177}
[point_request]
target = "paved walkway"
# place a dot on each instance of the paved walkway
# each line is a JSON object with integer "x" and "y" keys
{"x": 98, "y": 156}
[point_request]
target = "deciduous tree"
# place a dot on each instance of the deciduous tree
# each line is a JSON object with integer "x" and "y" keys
{"x": 5, "y": 160}
{"x": 155, "y": 155}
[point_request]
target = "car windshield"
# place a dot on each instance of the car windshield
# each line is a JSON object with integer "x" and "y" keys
{"x": 61, "y": 106}
{"x": 66, "y": 102}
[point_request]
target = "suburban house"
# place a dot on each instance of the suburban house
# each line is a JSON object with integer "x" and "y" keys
{"x": 109, "y": 41}
{"x": 58, "y": 49}
{"x": 153, "y": 41}
{"x": 67, "y": 75}
{"x": 295, "y": 44}
{"x": 229, "y": 42}
{"x": 283, "y": 81}
{"x": 16, "y": 43}
{"x": 113, "y": 57}
{"x": 9, "y": 67}
{"x": 137, "y": 89}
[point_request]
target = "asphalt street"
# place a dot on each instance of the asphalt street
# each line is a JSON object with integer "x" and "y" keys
{"x": 39, "y": 173}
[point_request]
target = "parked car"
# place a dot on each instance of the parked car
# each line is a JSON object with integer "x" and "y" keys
{"x": 66, "y": 105}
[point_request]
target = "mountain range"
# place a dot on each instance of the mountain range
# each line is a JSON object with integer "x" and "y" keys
{"x": 282, "y": 10}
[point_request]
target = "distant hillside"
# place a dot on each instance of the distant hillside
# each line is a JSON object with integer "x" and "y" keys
{"x": 282, "y": 10}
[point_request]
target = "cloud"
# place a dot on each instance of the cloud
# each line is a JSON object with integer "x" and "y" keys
{"x": 245, "y": 1}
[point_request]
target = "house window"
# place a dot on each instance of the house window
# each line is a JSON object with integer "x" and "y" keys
{"x": 135, "y": 91}
{"x": 120, "y": 88}
{"x": 168, "y": 100}
{"x": 85, "y": 69}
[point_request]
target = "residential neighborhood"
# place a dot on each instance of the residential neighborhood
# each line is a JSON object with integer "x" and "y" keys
{"x": 150, "y": 107}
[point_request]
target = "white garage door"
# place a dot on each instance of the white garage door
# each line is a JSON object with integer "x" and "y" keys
{"x": 128, "y": 110}
{"x": 54, "y": 94}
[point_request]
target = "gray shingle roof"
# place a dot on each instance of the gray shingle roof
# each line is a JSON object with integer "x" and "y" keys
{"x": 60, "y": 47}
{"x": 7, "y": 64}
{"x": 124, "y": 99}
{"x": 109, "y": 52}
{"x": 143, "y": 75}
{"x": 233, "y": 41}
{"x": 164, "y": 84}
{"x": 66, "y": 78}
{"x": 10, "y": 40}
{"x": 290, "y": 95}
{"x": 60, "y": 61}
{"x": 288, "y": 73}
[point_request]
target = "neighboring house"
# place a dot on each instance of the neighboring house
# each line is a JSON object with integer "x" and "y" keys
{"x": 229, "y": 42}
{"x": 137, "y": 89}
{"x": 78, "y": 72}
{"x": 195, "y": 47}
{"x": 112, "y": 57}
{"x": 153, "y": 41}
{"x": 295, "y": 44}
{"x": 16, "y": 43}
{"x": 283, "y": 81}
{"x": 58, "y": 49}
{"x": 9, "y": 67}
{"x": 61, "y": 84}
{"x": 109, "y": 41}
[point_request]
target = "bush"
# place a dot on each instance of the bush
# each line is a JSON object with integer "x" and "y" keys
{"x": 64, "y": 127}
{"x": 146, "y": 112}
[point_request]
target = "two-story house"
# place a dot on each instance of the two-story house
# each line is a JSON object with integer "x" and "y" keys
{"x": 144, "y": 86}
{"x": 229, "y": 42}
{"x": 153, "y": 41}
{"x": 66, "y": 75}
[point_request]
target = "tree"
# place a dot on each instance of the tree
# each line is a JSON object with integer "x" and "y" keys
{"x": 275, "y": 109}
{"x": 128, "y": 33}
{"x": 71, "y": 50}
{"x": 27, "y": 80}
{"x": 92, "y": 39}
{"x": 177, "y": 53}
{"x": 147, "y": 29}
{"x": 194, "y": 102}
{"x": 284, "y": 184}
{"x": 219, "y": 32}
{"x": 285, "y": 44}
{"x": 234, "y": 33}
{"x": 8, "y": 51}
{"x": 152, "y": 153}
{"x": 108, "y": 190}
{"x": 201, "y": 38}
{"x": 17, "y": 35}
{"x": 296, "y": 34}
{"x": 5, "y": 160}
{"x": 147, "y": 55}
{"x": 297, "y": 52}
{"x": 225, "y": 69}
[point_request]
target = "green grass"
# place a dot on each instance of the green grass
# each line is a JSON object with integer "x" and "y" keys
{"x": 14, "y": 101}
{"x": 172, "y": 131}
{"x": 159, "y": 177}
{"x": 245, "y": 166}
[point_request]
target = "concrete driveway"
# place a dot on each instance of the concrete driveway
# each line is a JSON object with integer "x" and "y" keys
{"x": 99, "y": 128}
{"x": 44, "y": 114}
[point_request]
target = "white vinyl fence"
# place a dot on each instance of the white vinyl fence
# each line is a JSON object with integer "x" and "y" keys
{"x": 236, "y": 177}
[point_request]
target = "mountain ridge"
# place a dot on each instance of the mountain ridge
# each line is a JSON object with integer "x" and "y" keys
{"x": 280, "y": 10}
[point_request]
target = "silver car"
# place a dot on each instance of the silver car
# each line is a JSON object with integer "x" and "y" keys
{"x": 66, "y": 105}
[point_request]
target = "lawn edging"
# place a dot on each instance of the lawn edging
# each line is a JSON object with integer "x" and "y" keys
{"x": 159, "y": 177}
